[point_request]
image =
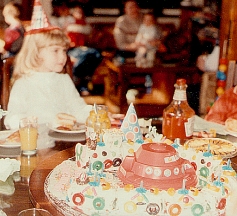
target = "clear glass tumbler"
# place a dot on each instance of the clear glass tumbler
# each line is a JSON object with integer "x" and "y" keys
{"x": 28, "y": 130}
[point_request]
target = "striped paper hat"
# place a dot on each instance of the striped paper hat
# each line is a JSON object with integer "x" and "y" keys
{"x": 39, "y": 20}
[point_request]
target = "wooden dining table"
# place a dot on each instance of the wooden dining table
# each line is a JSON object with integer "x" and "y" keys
{"x": 45, "y": 159}
{"x": 29, "y": 188}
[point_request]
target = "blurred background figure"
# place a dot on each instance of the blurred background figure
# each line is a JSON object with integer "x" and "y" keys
{"x": 209, "y": 61}
{"x": 148, "y": 41}
{"x": 149, "y": 34}
{"x": 224, "y": 107}
{"x": 126, "y": 29}
{"x": 14, "y": 33}
{"x": 80, "y": 29}
{"x": 61, "y": 16}
{"x": 71, "y": 18}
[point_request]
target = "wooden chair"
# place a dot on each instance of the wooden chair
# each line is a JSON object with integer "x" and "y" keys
{"x": 7, "y": 67}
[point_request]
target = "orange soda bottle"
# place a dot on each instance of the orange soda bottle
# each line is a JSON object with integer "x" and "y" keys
{"x": 178, "y": 117}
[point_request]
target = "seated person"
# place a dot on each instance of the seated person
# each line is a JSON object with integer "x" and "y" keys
{"x": 126, "y": 29}
{"x": 224, "y": 107}
{"x": 149, "y": 34}
{"x": 14, "y": 34}
{"x": 80, "y": 29}
{"x": 61, "y": 16}
{"x": 39, "y": 88}
{"x": 148, "y": 40}
{"x": 85, "y": 59}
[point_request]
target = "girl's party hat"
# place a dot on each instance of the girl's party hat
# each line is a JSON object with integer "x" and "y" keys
{"x": 39, "y": 20}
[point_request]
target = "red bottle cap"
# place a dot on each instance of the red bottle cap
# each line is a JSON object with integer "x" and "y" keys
{"x": 181, "y": 82}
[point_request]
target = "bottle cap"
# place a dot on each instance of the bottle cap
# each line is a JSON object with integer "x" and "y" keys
{"x": 181, "y": 82}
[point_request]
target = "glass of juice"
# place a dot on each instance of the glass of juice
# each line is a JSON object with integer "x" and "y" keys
{"x": 28, "y": 130}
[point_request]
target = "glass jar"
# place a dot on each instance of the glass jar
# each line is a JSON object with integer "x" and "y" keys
{"x": 178, "y": 117}
{"x": 95, "y": 123}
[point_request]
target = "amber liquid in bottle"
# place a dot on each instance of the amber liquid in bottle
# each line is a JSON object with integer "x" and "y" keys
{"x": 178, "y": 117}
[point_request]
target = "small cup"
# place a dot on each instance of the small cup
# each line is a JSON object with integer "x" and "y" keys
{"x": 34, "y": 212}
{"x": 28, "y": 130}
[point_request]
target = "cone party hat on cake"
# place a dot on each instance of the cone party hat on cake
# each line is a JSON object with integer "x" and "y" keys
{"x": 39, "y": 20}
{"x": 130, "y": 126}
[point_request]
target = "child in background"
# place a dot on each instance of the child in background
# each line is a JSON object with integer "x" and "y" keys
{"x": 38, "y": 87}
{"x": 61, "y": 16}
{"x": 85, "y": 59}
{"x": 14, "y": 34}
{"x": 148, "y": 39}
{"x": 78, "y": 31}
{"x": 149, "y": 34}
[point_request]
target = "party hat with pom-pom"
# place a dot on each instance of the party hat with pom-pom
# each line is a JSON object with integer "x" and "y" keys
{"x": 39, "y": 20}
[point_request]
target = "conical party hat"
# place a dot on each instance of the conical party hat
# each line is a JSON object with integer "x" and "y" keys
{"x": 39, "y": 20}
{"x": 130, "y": 126}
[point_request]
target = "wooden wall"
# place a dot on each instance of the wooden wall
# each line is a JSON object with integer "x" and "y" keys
{"x": 228, "y": 29}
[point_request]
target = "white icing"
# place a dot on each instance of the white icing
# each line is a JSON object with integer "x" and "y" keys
{"x": 116, "y": 199}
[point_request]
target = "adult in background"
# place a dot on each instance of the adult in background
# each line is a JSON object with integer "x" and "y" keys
{"x": 126, "y": 29}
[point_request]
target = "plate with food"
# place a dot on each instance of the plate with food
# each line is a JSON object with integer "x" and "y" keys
{"x": 10, "y": 139}
{"x": 216, "y": 146}
{"x": 66, "y": 123}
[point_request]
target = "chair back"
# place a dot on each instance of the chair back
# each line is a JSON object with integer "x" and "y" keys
{"x": 7, "y": 68}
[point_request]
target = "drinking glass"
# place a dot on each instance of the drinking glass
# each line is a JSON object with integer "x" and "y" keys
{"x": 34, "y": 212}
{"x": 28, "y": 164}
{"x": 28, "y": 130}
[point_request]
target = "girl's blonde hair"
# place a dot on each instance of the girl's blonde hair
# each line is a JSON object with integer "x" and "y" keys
{"x": 27, "y": 59}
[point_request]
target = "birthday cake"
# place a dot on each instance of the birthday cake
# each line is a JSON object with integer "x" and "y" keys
{"x": 152, "y": 178}
{"x": 195, "y": 184}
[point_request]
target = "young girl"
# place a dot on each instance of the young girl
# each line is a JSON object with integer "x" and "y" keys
{"x": 14, "y": 34}
{"x": 38, "y": 87}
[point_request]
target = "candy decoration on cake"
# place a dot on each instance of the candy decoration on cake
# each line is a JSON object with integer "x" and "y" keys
{"x": 80, "y": 153}
{"x": 130, "y": 125}
{"x": 39, "y": 20}
{"x": 221, "y": 73}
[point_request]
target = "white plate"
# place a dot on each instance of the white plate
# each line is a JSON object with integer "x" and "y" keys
{"x": 79, "y": 137}
{"x": 232, "y": 133}
{"x": 4, "y": 144}
{"x": 82, "y": 130}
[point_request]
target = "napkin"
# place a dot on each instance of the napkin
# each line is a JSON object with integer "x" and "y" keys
{"x": 8, "y": 167}
{"x": 201, "y": 124}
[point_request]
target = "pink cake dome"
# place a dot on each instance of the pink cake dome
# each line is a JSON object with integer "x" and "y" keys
{"x": 157, "y": 165}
